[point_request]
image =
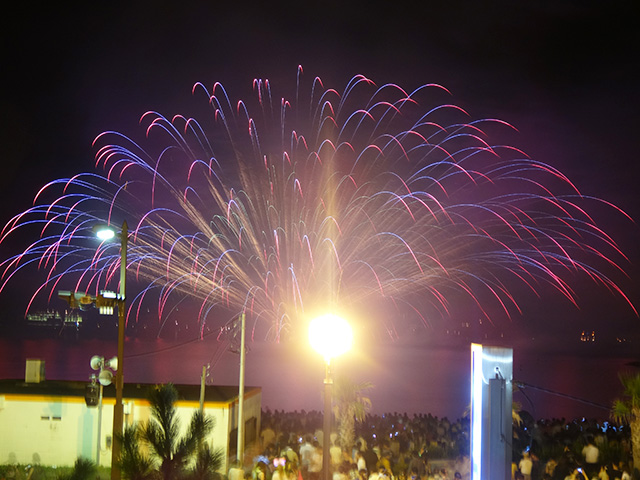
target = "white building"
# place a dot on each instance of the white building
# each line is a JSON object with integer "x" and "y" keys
{"x": 49, "y": 422}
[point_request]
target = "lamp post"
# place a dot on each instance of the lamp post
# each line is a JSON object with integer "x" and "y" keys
{"x": 330, "y": 336}
{"x": 106, "y": 233}
{"x": 240, "y": 446}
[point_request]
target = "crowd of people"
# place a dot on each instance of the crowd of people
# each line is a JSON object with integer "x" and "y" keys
{"x": 424, "y": 447}
{"x": 577, "y": 450}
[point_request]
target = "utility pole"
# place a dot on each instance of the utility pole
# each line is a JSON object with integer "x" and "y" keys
{"x": 240, "y": 454}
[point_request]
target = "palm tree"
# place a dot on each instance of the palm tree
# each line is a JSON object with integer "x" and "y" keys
{"x": 350, "y": 406}
{"x": 161, "y": 434}
{"x": 83, "y": 469}
{"x": 627, "y": 409}
{"x": 134, "y": 464}
{"x": 206, "y": 466}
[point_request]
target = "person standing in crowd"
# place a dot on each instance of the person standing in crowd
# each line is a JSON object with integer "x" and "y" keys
{"x": 315, "y": 463}
{"x": 603, "y": 474}
{"x": 335, "y": 452}
{"x": 361, "y": 464}
{"x": 267, "y": 436}
{"x": 260, "y": 471}
{"x": 279, "y": 473}
{"x": 525, "y": 466}
{"x": 550, "y": 467}
{"x": 236, "y": 472}
{"x": 340, "y": 473}
{"x": 578, "y": 474}
{"x": 416, "y": 465}
{"x": 591, "y": 453}
{"x": 371, "y": 460}
{"x": 291, "y": 456}
{"x": 306, "y": 452}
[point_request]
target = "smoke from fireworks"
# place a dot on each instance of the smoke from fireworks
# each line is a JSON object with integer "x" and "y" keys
{"x": 283, "y": 206}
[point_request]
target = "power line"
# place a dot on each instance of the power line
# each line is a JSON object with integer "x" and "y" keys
{"x": 560, "y": 394}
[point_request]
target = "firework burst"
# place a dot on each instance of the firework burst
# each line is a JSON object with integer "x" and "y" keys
{"x": 370, "y": 194}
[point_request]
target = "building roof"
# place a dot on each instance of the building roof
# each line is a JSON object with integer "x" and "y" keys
{"x": 61, "y": 388}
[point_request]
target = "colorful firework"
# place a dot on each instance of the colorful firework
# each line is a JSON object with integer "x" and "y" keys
{"x": 372, "y": 194}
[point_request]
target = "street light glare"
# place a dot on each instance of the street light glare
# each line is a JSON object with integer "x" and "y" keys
{"x": 330, "y": 336}
{"x": 105, "y": 233}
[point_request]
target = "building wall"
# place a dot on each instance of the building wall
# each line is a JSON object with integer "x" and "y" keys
{"x": 58, "y": 430}
{"x": 252, "y": 418}
{"x": 51, "y": 431}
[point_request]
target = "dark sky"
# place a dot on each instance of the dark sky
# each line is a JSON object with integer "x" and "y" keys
{"x": 564, "y": 73}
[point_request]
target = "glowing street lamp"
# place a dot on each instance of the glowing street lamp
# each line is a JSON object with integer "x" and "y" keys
{"x": 330, "y": 336}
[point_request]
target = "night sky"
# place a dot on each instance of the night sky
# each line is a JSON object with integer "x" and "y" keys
{"x": 564, "y": 73}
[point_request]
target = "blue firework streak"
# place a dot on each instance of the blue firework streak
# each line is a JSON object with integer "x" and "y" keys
{"x": 283, "y": 205}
